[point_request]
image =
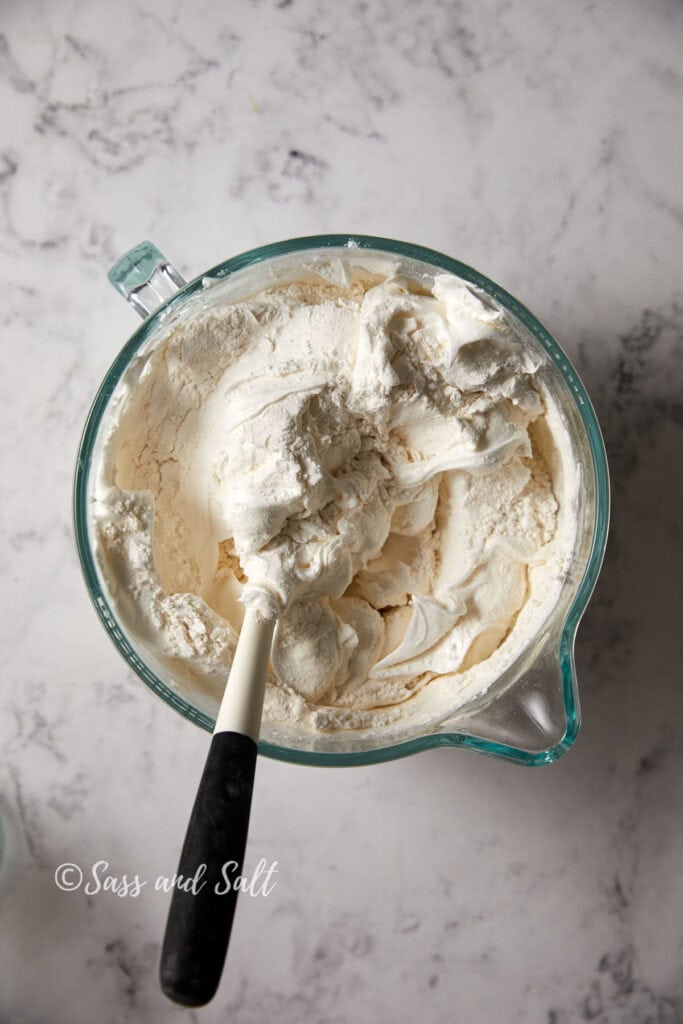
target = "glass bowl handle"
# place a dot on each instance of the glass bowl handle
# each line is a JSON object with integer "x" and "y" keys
{"x": 145, "y": 278}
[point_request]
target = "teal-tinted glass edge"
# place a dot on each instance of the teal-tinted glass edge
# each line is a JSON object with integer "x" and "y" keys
{"x": 584, "y": 406}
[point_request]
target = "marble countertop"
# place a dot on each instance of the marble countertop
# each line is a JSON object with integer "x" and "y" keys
{"x": 540, "y": 143}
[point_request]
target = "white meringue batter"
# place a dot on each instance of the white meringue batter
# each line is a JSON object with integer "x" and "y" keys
{"x": 378, "y": 464}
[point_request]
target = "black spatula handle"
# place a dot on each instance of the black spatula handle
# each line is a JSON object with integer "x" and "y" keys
{"x": 200, "y": 919}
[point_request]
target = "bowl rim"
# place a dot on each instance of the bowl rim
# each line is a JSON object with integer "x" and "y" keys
{"x": 584, "y": 590}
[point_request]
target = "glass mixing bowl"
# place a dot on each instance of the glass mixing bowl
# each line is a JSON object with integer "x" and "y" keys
{"x": 530, "y": 714}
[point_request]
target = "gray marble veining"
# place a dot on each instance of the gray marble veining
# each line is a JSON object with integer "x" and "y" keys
{"x": 540, "y": 143}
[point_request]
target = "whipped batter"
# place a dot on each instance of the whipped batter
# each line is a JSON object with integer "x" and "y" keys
{"x": 376, "y": 463}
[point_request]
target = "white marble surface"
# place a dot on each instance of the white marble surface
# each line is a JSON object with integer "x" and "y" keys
{"x": 540, "y": 143}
